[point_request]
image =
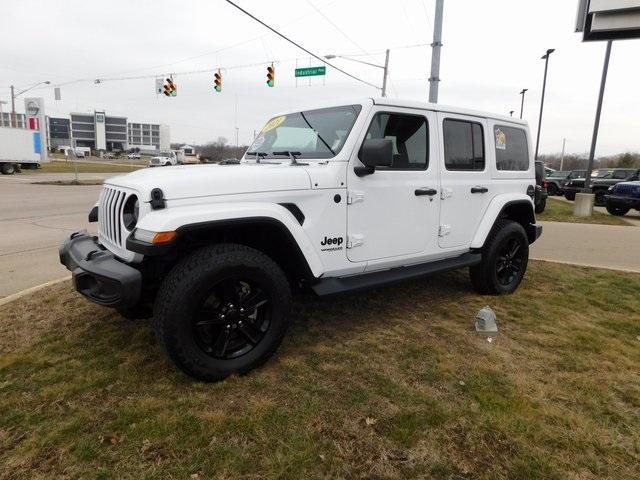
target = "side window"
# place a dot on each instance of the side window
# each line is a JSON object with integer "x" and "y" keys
{"x": 409, "y": 135}
{"x": 512, "y": 151}
{"x": 621, "y": 174}
{"x": 463, "y": 145}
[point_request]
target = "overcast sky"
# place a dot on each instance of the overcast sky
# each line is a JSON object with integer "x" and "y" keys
{"x": 491, "y": 51}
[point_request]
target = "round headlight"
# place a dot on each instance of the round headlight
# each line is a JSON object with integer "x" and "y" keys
{"x": 130, "y": 212}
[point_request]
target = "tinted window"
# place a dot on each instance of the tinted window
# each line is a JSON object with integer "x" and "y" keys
{"x": 463, "y": 145}
{"x": 512, "y": 151}
{"x": 409, "y": 135}
{"x": 622, "y": 174}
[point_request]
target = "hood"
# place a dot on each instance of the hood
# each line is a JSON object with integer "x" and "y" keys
{"x": 189, "y": 181}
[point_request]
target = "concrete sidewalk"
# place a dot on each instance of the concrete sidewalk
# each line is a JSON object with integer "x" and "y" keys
{"x": 604, "y": 246}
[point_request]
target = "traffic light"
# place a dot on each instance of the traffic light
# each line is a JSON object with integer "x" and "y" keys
{"x": 271, "y": 75}
{"x": 170, "y": 88}
{"x": 218, "y": 81}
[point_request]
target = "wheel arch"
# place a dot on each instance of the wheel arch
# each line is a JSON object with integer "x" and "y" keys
{"x": 520, "y": 210}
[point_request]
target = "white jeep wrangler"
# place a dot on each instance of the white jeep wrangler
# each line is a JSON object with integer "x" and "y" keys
{"x": 336, "y": 199}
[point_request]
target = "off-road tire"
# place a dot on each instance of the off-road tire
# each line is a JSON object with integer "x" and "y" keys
{"x": 571, "y": 196}
{"x": 7, "y": 168}
{"x": 617, "y": 211}
{"x": 483, "y": 276}
{"x": 177, "y": 302}
{"x": 599, "y": 200}
{"x": 541, "y": 205}
{"x": 552, "y": 190}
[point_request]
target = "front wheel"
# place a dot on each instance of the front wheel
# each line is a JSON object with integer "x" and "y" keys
{"x": 599, "y": 200}
{"x": 617, "y": 211}
{"x": 224, "y": 309}
{"x": 570, "y": 196}
{"x": 505, "y": 255}
{"x": 541, "y": 205}
{"x": 552, "y": 190}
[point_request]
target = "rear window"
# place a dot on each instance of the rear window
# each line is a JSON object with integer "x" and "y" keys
{"x": 512, "y": 150}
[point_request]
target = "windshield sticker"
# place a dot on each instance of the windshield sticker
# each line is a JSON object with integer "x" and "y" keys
{"x": 273, "y": 123}
{"x": 501, "y": 140}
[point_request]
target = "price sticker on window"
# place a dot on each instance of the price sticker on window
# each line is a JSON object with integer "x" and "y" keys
{"x": 273, "y": 123}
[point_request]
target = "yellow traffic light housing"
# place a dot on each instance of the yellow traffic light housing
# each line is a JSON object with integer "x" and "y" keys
{"x": 217, "y": 81}
{"x": 271, "y": 76}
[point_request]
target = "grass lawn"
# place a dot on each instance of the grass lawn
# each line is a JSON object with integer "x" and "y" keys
{"x": 392, "y": 383}
{"x": 67, "y": 167}
{"x": 561, "y": 211}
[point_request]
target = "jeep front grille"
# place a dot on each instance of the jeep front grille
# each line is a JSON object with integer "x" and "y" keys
{"x": 111, "y": 230}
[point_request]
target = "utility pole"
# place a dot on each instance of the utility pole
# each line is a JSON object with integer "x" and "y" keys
{"x": 524, "y": 90}
{"x": 545, "y": 57}
{"x": 564, "y": 142}
{"x": 596, "y": 125}
{"x": 386, "y": 72}
{"x": 434, "y": 79}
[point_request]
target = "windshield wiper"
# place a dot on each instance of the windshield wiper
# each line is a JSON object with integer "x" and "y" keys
{"x": 258, "y": 155}
{"x": 318, "y": 133}
{"x": 292, "y": 156}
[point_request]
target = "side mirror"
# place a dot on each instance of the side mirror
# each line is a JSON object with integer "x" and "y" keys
{"x": 375, "y": 152}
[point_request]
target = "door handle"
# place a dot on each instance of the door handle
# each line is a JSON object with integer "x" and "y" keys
{"x": 426, "y": 191}
{"x": 479, "y": 189}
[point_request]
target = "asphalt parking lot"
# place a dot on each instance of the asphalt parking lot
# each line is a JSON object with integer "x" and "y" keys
{"x": 33, "y": 223}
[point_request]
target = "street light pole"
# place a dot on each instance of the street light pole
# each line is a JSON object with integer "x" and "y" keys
{"x": 545, "y": 57}
{"x": 564, "y": 142}
{"x": 434, "y": 79}
{"x": 524, "y": 90}
{"x": 384, "y": 67}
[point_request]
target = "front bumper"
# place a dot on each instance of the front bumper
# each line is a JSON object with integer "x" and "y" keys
{"x": 626, "y": 202}
{"x": 97, "y": 274}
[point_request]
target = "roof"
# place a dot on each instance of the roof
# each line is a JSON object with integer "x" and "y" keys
{"x": 394, "y": 102}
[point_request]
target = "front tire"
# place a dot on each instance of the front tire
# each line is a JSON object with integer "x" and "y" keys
{"x": 599, "y": 200}
{"x": 617, "y": 211}
{"x": 505, "y": 255}
{"x": 541, "y": 205}
{"x": 552, "y": 190}
{"x": 224, "y": 309}
{"x": 570, "y": 196}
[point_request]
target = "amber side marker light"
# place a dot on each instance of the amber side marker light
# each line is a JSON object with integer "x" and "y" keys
{"x": 163, "y": 237}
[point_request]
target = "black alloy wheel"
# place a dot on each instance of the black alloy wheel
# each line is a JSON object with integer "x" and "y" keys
{"x": 510, "y": 261}
{"x": 232, "y": 318}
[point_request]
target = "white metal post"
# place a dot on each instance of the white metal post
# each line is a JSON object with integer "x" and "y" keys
{"x": 434, "y": 79}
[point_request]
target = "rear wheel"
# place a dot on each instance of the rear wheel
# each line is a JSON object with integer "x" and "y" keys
{"x": 552, "y": 189}
{"x": 222, "y": 310}
{"x": 505, "y": 255}
{"x": 570, "y": 196}
{"x": 7, "y": 168}
{"x": 617, "y": 211}
{"x": 599, "y": 199}
{"x": 541, "y": 205}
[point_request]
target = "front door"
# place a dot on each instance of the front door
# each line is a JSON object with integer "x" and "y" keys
{"x": 465, "y": 178}
{"x": 394, "y": 211}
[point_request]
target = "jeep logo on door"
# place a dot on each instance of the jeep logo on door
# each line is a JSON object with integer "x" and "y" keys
{"x": 331, "y": 243}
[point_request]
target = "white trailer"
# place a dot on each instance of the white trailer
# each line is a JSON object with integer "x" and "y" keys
{"x": 19, "y": 147}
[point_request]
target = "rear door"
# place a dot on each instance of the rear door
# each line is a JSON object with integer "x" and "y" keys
{"x": 465, "y": 178}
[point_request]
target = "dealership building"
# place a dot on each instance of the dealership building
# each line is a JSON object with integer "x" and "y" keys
{"x": 100, "y": 131}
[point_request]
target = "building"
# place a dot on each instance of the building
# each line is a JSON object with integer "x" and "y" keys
{"x": 188, "y": 150}
{"x": 5, "y": 120}
{"x": 103, "y": 132}
{"x": 148, "y": 137}
{"x": 59, "y": 132}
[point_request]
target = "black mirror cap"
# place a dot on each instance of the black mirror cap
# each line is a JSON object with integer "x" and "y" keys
{"x": 377, "y": 152}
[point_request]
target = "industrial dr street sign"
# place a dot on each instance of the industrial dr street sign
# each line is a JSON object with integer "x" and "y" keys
{"x": 311, "y": 71}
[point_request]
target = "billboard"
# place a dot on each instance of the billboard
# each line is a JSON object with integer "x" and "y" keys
{"x": 608, "y": 19}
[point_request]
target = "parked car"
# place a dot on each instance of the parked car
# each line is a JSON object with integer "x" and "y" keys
{"x": 576, "y": 183}
{"x": 362, "y": 195}
{"x": 133, "y": 156}
{"x": 540, "y": 198}
{"x": 601, "y": 185}
{"x": 163, "y": 159}
{"x": 622, "y": 197}
{"x": 555, "y": 181}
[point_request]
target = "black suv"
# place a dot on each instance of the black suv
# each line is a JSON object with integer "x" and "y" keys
{"x": 540, "y": 198}
{"x": 573, "y": 184}
{"x": 601, "y": 185}
{"x": 556, "y": 181}
{"x": 622, "y": 197}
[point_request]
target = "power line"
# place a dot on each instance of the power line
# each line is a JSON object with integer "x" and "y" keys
{"x": 300, "y": 46}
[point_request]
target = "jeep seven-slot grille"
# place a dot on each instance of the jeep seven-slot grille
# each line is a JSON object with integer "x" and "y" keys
{"x": 626, "y": 189}
{"x": 110, "y": 217}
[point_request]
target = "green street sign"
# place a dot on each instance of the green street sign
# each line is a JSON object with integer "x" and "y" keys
{"x": 311, "y": 71}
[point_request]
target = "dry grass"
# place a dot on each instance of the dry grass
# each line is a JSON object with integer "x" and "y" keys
{"x": 561, "y": 211}
{"x": 393, "y": 383}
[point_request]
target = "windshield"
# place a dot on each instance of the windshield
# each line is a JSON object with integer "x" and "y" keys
{"x": 311, "y": 134}
{"x": 604, "y": 173}
{"x": 557, "y": 173}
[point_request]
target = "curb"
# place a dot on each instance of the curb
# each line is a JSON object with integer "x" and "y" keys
{"x": 16, "y": 296}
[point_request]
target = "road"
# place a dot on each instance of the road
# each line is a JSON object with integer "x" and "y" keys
{"x": 34, "y": 220}
{"x": 40, "y": 217}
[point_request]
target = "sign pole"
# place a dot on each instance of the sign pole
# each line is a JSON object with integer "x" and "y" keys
{"x": 596, "y": 125}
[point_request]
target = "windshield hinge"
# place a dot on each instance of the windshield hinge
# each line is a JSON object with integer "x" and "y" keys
{"x": 444, "y": 230}
{"x": 353, "y": 197}
{"x": 355, "y": 240}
